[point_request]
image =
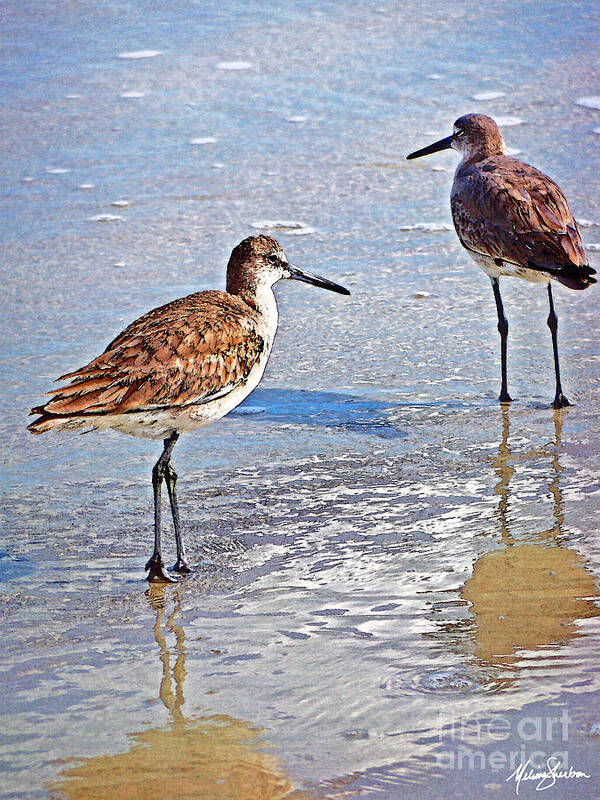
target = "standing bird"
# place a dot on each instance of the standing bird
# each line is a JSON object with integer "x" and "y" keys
{"x": 513, "y": 220}
{"x": 181, "y": 366}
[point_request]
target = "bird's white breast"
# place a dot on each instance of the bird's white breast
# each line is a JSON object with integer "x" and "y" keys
{"x": 506, "y": 269}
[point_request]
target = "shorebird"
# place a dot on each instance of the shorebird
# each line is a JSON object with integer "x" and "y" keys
{"x": 179, "y": 367}
{"x": 514, "y": 221}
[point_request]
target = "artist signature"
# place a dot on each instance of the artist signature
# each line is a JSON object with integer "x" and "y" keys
{"x": 545, "y": 777}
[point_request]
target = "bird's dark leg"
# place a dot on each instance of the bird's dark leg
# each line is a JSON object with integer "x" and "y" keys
{"x": 155, "y": 565}
{"x": 171, "y": 480}
{"x": 560, "y": 401}
{"x": 503, "y": 331}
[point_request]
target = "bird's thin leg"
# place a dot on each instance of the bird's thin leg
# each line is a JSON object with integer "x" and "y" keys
{"x": 503, "y": 331}
{"x": 171, "y": 480}
{"x": 155, "y": 565}
{"x": 560, "y": 401}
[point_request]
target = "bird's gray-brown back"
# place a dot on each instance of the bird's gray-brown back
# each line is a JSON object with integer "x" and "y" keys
{"x": 505, "y": 209}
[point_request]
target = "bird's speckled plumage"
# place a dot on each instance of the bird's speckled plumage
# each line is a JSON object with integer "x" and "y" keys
{"x": 182, "y": 365}
{"x": 188, "y": 352}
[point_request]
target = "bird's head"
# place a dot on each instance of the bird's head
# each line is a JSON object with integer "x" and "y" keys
{"x": 476, "y": 133}
{"x": 260, "y": 261}
{"x": 474, "y": 136}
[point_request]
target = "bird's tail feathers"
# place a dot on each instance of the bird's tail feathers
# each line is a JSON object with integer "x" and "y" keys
{"x": 574, "y": 276}
{"x": 579, "y": 278}
{"x": 53, "y": 422}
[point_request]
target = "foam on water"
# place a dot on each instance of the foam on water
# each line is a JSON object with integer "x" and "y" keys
{"x": 86, "y": 185}
{"x": 447, "y": 681}
{"x": 428, "y": 227}
{"x": 136, "y": 54}
{"x": 57, "y": 170}
{"x": 455, "y": 680}
{"x": 297, "y": 118}
{"x": 289, "y": 226}
{"x": 120, "y": 203}
{"x": 356, "y": 734}
{"x": 204, "y": 140}
{"x": 589, "y": 102}
{"x": 488, "y": 95}
{"x": 234, "y": 66}
{"x": 132, "y": 94}
{"x": 508, "y": 122}
{"x": 106, "y": 218}
{"x": 300, "y": 231}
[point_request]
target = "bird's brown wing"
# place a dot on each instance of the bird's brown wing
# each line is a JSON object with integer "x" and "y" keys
{"x": 508, "y": 210}
{"x": 187, "y": 352}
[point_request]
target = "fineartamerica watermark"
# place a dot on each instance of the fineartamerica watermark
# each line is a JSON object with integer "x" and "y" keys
{"x": 535, "y": 748}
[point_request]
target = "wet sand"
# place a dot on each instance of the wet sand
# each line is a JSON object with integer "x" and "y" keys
{"x": 397, "y": 588}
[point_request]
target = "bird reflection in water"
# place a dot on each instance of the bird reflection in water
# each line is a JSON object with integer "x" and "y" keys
{"x": 529, "y": 594}
{"x": 202, "y": 758}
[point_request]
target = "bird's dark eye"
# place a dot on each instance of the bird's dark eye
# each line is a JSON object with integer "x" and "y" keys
{"x": 273, "y": 259}
{"x": 459, "y": 133}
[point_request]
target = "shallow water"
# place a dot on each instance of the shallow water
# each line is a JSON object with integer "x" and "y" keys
{"x": 397, "y": 593}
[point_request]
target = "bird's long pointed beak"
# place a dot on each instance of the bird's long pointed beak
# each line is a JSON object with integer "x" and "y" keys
{"x": 301, "y": 275}
{"x": 442, "y": 144}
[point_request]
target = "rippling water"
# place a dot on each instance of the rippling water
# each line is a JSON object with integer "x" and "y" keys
{"x": 397, "y": 593}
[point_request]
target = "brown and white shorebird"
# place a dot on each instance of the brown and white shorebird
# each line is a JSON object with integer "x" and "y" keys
{"x": 179, "y": 367}
{"x": 514, "y": 221}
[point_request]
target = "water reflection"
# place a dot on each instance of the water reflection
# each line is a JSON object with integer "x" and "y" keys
{"x": 528, "y": 594}
{"x": 213, "y": 758}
